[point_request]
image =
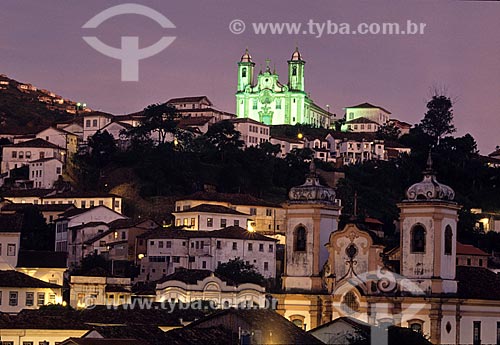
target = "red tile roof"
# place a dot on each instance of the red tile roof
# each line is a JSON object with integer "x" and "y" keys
{"x": 468, "y": 249}
{"x": 367, "y": 105}
{"x": 37, "y": 143}
{"x": 208, "y": 208}
{"x": 189, "y": 99}
{"x": 235, "y": 199}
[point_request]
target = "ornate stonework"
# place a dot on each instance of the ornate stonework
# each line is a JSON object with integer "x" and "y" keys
{"x": 429, "y": 188}
{"x": 312, "y": 190}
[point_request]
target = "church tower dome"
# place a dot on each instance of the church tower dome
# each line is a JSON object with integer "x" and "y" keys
{"x": 429, "y": 188}
{"x": 296, "y": 56}
{"x": 312, "y": 190}
{"x": 246, "y": 57}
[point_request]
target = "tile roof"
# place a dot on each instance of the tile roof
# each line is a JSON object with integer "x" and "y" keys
{"x": 231, "y": 232}
{"x": 43, "y": 160}
{"x": 208, "y": 208}
{"x": 37, "y": 143}
{"x": 41, "y": 259}
{"x": 357, "y": 136}
{"x": 288, "y": 140}
{"x": 201, "y": 336}
{"x": 264, "y": 320}
{"x": 13, "y": 278}
{"x": 367, "y": 105}
{"x": 478, "y": 283}
{"x": 11, "y": 222}
{"x": 495, "y": 153}
{"x": 19, "y": 193}
{"x": 80, "y": 194}
{"x": 99, "y": 341}
{"x": 468, "y": 249}
{"x": 128, "y": 223}
{"x": 235, "y": 199}
{"x": 189, "y": 99}
{"x": 98, "y": 237}
{"x": 87, "y": 225}
{"x": 246, "y": 119}
{"x": 195, "y": 120}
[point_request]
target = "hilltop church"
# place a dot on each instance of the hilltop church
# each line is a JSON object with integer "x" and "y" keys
{"x": 266, "y": 100}
{"x": 332, "y": 272}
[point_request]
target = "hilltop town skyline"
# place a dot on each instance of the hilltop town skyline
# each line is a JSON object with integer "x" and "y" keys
{"x": 395, "y": 72}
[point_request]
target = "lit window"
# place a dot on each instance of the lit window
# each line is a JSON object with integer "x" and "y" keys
{"x": 210, "y": 222}
{"x": 13, "y": 298}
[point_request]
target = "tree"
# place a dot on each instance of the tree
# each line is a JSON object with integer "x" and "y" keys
{"x": 388, "y": 131}
{"x": 224, "y": 137}
{"x": 102, "y": 148}
{"x": 240, "y": 272}
{"x": 438, "y": 120}
{"x": 161, "y": 119}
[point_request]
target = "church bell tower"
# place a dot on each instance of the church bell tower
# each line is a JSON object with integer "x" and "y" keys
{"x": 312, "y": 215}
{"x": 429, "y": 234}
{"x": 245, "y": 71}
{"x": 296, "y": 71}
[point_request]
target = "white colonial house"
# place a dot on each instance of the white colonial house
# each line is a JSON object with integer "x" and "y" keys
{"x": 22, "y": 153}
{"x": 209, "y": 217}
{"x": 287, "y": 145}
{"x": 188, "y": 286}
{"x": 117, "y": 130}
{"x": 94, "y": 122}
{"x": 253, "y": 133}
{"x": 369, "y": 113}
{"x": 19, "y": 291}
{"x": 199, "y": 106}
{"x": 38, "y": 196}
{"x": 168, "y": 250}
{"x": 45, "y": 171}
{"x": 47, "y": 266}
{"x": 266, "y": 217}
{"x": 61, "y": 137}
{"x": 81, "y": 217}
{"x": 10, "y": 238}
{"x": 88, "y": 291}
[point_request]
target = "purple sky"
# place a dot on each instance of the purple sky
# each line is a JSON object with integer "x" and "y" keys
{"x": 40, "y": 42}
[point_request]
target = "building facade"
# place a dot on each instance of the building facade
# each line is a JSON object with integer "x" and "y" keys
{"x": 266, "y": 100}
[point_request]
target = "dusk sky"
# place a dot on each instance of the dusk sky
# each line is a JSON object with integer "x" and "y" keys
{"x": 41, "y": 42}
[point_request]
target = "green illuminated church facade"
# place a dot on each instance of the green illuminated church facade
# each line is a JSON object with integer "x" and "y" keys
{"x": 266, "y": 100}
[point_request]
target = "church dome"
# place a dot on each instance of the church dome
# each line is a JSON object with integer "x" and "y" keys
{"x": 312, "y": 191}
{"x": 246, "y": 57}
{"x": 296, "y": 56}
{"x": 429, "y": 188}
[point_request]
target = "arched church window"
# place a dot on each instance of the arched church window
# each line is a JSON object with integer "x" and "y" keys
{"x": 297, "y": 320}
{"x": 300, "y": 239}
{"x": 294, "y": 70}
{"x": 448, "y": 240}
{"x": 418, "y": 239}
{"x": 416, "y": 325}
{"x": 350, "y": 303}
{"x": 244, "y": 72}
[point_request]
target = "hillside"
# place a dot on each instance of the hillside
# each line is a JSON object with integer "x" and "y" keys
{"x": 25, "y": 108}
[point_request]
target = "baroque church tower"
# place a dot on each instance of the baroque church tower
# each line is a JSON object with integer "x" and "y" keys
{"x": 267, "y": 100}
{"x": 312, "y": 215}
{"x": 428, "y": 234}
